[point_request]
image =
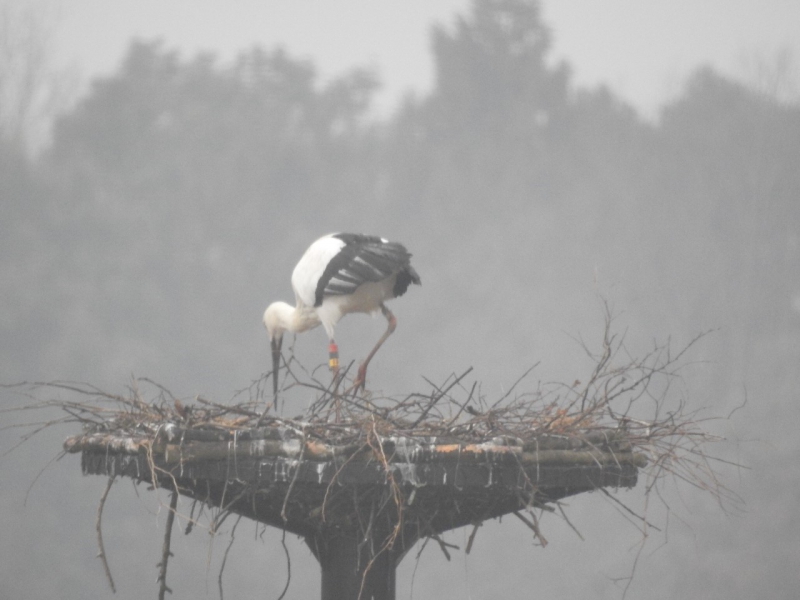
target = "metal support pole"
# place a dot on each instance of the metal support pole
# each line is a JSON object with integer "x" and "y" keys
{"x": 350, "y": 571}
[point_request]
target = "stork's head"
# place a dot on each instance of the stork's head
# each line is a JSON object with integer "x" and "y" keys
{"x": 277, "y": 319}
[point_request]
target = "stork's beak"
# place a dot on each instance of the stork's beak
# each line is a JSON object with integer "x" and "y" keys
{"x": 276, "y": 361}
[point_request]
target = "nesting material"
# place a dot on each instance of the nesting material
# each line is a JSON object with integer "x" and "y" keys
{"x": 357, "y": 466}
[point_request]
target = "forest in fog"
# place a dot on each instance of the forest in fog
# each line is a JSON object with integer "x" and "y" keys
{"x": 177, "y": 194}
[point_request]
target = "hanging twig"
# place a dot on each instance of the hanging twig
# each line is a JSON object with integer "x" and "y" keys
{"x": 472, "y": 537}
{"x": 533, "y": 525}
{"x": 444, "y": 545}
{"x": 564, "y": 514}
{"x": 98, "y": 526}
{"x": 294, "y": 479}
{"x": 165, "y": 552}
{"x": 288, "y": 566}
{"x": 225, "y": 558}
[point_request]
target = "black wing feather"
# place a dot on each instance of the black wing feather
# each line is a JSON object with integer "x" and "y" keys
{"x": 363, "y": 259}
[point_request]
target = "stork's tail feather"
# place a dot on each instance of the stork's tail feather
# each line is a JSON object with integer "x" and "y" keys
{"x": 405, "y": 278}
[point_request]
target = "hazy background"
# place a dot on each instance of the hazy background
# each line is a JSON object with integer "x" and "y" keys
{"x": 155, "y": 195}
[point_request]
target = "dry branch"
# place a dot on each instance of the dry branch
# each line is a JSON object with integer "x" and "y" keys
{"x": 165, "y": 551}
{"x": 99, "y": 528}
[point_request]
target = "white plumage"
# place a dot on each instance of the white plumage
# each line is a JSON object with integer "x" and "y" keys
{"x": 339, "y": 274}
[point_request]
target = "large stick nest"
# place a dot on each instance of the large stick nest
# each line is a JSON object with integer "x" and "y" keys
{"x": 407, "y": 467}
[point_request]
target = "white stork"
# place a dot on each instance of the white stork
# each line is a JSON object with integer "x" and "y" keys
{"x": 341, "y": 273}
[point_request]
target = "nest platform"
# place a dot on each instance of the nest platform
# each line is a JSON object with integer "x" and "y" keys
{"x": 361, "y": 504}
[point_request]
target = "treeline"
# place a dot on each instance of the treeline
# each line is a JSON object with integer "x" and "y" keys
{"x": 178, "y": 185}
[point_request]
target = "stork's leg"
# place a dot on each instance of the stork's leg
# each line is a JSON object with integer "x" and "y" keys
{"x": 361, "y": 378}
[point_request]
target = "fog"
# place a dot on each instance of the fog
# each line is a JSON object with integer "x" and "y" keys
{"x": 179, "y": 191}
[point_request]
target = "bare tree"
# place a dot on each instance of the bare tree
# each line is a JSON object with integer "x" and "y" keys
{"x": 773, "y": 76}
{"x": 31, "y": 90}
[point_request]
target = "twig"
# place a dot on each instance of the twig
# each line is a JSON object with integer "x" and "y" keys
{"x": 472, "y": 537}
{"x": 225, "y": 558}
{"x": 99, "y": 528}
{"x": 511, "y": 389}
{"x": 294, "y": 479}
{"x": 416, "y": 564}
{"x": 441, "y": 394}
{"x": 624, "y": 507}
{"x": 288, "y": 566}
{"x": 564, "y": 514}
{"x": 533, "y": 525}
{"x": 56, "y": 458}
{"x": 444, "y": 545}
{"x": 165, "y": 552}
{"x": 464, "y": 405}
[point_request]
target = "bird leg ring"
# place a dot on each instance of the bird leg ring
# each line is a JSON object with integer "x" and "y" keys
{"x": 333, "y": 363}
{"x": 333, "y": 357}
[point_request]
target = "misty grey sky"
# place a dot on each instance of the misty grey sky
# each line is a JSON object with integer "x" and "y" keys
{"x": 643, "y": 49}
{"x": 134, "y": 250}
